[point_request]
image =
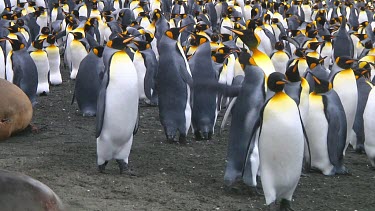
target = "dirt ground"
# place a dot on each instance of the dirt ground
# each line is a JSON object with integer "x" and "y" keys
{"x": 170, "y": 176}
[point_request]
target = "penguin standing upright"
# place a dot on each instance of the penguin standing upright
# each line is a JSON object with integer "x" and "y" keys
{"x": 22, "y": 69}
{"x": 88, "y": 81}
{"x": 204, "y": 101}
{"x": 53, "y": 60}
{"x": 344, "y": 83}
{"x": 368, "y": 124}
{"x": 173, "y": 84}
{"x": 78, "y": 50}
{"x": 117, "y": 103}
{"x": 326, "y": 127}
{"x": 281, "y": 145}
{"x": 280, "y": 57}
{"x": 243, "y": 157}
{"x": 42, "y": 65}
{"x": 364, "y": 86}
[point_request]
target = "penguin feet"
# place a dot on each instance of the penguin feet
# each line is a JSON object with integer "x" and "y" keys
{"x": 89, "y": 114}
{"x": 44, "y": 93}
{"x": 342, "y": 171}
{"x": 182, "y": 139}
{"x": 360, "y": 149}
{"x": 102, "y": 167}
{"x": 285, "y": 205}
{"x": 273, "y": 207}
{"x": 171, "y": 139}
{"x": 124, "y": 168}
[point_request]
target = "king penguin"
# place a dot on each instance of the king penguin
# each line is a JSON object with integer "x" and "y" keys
{"x": 78, "y": 50}
{"x": 88, "y": 81}
{"x": 21, "y": 70}
{"x": 41, "y": 61}
{"x": 54, "y": 60}
{"x": 326, "y": 127}
{"x": 344, "y": 83}
{"x": 368, "y": 123}
{"x": 204, "y": 108}
{"x": 281, "y": 145}
{"x": 117, "y": 103}
{"x": 364, "y": 86}
{"x": 242, "y": 153}
{"x": 174, "y": 80}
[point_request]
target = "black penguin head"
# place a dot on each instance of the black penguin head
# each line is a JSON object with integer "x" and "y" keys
{"x": 32, "y": 3}
{"x": 21, "y": 4}
{"x": 142, "y": 45}
{"x": 38, "y": 44}
{"x": 300, "y": 52}
{"x": 98, "y": 51}
{"x": 276, "y": 81}
{"x": 363, "y": 70}
{"x": 77, "y": 35}
{"x": 120, "y": 42}
{"x": 14, "y": 28}
{"x": 295, "y": 32}
{"x": 45, "y": 31}
{"x": 344, "y": 62}
{"x": 245, "y": 59}
{"x": 156, "y": 15}
{"x": 327, "y": 38}
{"x": 279, "y": 46}
{"x": 197, "y": 39}
{"x": 16, "y": 44}
{"x": 247, "y": 36}
{"x": 226, "y": 37}
{"x": 292, "y": 73}
{"x": 20, "y": 22}
{"x": 314, "y": 45}
{"x": 312, "y": 33}
{"x": 219, "y": 58}
{"x": 56, "y": 5}
{"x": 51, "y": 39}
{"x": 361, "y": 36}
{"x": 312, "y": 62}
{"x": 215, "y": 37}
{"x": 174, "y": 33}
{"x": 321, "y": 81}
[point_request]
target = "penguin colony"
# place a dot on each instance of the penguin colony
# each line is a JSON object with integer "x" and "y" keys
{"x": 296, "y": 77}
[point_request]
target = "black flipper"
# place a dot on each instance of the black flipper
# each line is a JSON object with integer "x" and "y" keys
{"x": 101, "y": 104}
{"x": 336, "y": 137}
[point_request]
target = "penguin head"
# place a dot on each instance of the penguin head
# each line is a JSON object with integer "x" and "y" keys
{"x": 77, "y": 35}
{"x": 279, "y": 46}
{"x": 344, "y": 62}
{"x": 174, "y": 33}
{"x": 45, "y": 31}
{"x": 363, "y": 70}
{"x": 120, "y": 42}
{"x": 219, "y": 58}
{"x": 247, "y": 36}
{"x": 321, "y": 81}
{"x": 314, "y": 45}
{"x": 16, "y": 44}
{"x": 156, "y": 15}
{"x": 98, "y": 51}
{"x": 276, "y": 81}
{"x": 226, "y": 37}
{"x": 361, "y": 37}
{"x": 56, "y": 5}
{"x": 142, "y": 45}
{"x": 311, "y": 33}
{"x": 368, "y": 44}
{"x": 20, "y": 22}
{"x": 14, "y": 28}
{"x": 198, "y": 39}
{"x": 21, "y": 4}
{"x": 300, "y": 52}
{"x": 327, "y": 38}
{"x": 312, "y": 62}
{"x": 292, "y": 73}
{"x": 51, "y": 39}
{"x": 295, "y": 32}
{"x": 38, "y": 44}
{"x": 244, "y": 58}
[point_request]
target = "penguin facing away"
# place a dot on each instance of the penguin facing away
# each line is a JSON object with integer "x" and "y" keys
{"x": 117, "y": 102}
{"x": 242, "y": 153}
{"x": 281, "y": 129}
{"x": 88, "y": 81}
{"x": 173, "y": 84}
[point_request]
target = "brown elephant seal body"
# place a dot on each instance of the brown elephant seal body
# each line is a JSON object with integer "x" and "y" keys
{"x": 20, "y": 192}
{"x": 16, "y": 110}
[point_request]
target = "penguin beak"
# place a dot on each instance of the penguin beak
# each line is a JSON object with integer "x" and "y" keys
{"x": 316, "y": 80}
{"x": 128, "y": 40}
{"x": 234, "y": 31}
{"x": 350, "y": 61}
{"x": 282, "y": 82}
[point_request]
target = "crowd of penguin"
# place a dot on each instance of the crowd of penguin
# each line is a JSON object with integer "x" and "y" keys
{"x": 296, "y": 77}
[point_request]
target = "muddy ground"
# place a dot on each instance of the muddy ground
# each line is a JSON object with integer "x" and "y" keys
{"x": 170, "y": 176}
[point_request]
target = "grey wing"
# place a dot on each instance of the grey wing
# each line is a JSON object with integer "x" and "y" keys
{"x": 101, "y": 104}
{"x": 336, "y": 137}
{"x": 151, "y": 68}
